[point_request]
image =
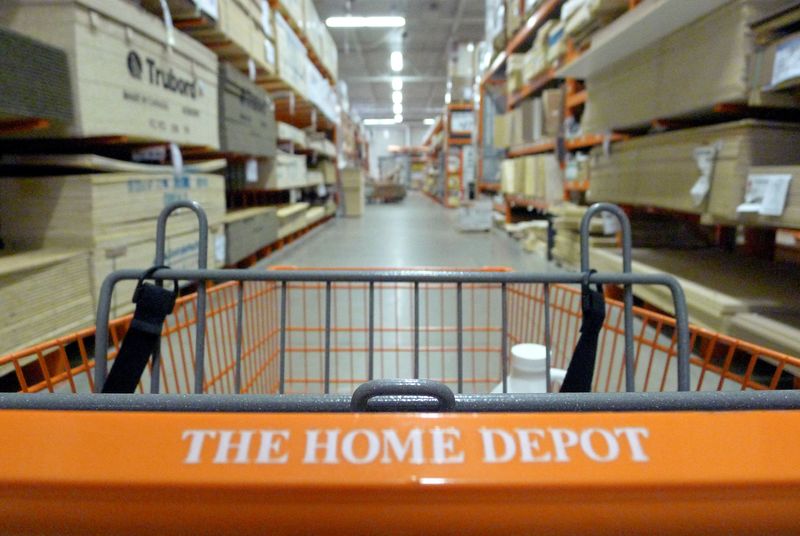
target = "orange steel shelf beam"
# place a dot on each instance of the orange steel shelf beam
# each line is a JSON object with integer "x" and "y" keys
{"x": 490, "y": 187}
{"x": 576, "y": 99}
{"x": 531, "y": 87}
{"x": 498, "y": 62}
{"x": 533, "y": 148}
{"x": 576, "y": 186}
{"x": 533, "y": 23}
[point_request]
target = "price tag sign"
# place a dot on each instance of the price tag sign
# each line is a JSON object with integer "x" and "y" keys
{"x": 461, "y": 122}
{"x": 209, "y": 7}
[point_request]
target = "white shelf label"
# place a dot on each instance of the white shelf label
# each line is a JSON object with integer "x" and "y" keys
{"x": 462, "y": 122}
{"x": 765, "y": 194}
{"x": 209, "y": 7}
{"x": 251, "y": 170}
{"x": 219, "y": 248}
{"x": 787, "y": 61}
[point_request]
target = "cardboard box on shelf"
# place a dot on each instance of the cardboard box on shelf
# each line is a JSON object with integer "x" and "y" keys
{"x": 556, "y": 43}
{"x": 532, "y": 120}
{"x": 284, "y": 172}
{"x": 502, "y": 131}
{"x": 514, "y": 66}
{"x": 156, "y": 92}
{"x": 516, "y": 126}
{"x": 513, "y": 18}
{"x": 512, "y": 172}
{"x": 552, "y": 111}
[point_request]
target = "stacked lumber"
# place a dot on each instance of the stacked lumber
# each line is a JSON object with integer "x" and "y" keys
{"x": 238, "y": 31}
{"x": 718, "y": 285}
{"x": 567, "y": 223}
{"x": 660, "y": 170}
{"x": 248, "y": 230}
{"x": 43, "y": 294}
{"x": 776, "y": 331}
{"x": 652, "y": 81}
{"x": 246, "y": 115}
{"x": 137, "y": 251}
{"x": 292, "y": 218}
{"x": 86, "y": 210}
{"x": 25, "y": 63}
{"x": 156, "y": 92}
{"x": 292, "y": 134}
{"x": 535, "y": 238}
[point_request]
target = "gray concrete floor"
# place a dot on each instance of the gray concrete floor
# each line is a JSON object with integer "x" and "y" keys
{"x": 415, "y": 232}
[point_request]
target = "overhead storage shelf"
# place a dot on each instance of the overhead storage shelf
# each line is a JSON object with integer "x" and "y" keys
{"x": 635, "y": 30}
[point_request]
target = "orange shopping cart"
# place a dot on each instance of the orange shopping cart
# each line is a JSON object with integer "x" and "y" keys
{"x": 291, "y": 400}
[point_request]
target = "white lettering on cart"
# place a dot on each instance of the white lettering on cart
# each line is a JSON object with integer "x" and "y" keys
{"x": 413, "y": 442}
{"x": 362, "y": 446}
{"x": 272, "y": 442}
{"x": 532, "y": 445}
{"x": 444, "y": 448}
{"x": 238, "y": 442}
{"x": 312, "y": 446}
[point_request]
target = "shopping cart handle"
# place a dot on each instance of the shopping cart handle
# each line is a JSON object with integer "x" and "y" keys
{"x": 409, "y": 395}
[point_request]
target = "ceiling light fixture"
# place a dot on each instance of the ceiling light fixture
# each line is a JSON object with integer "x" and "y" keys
{"x": 397, "y": 83}
{"x": 397, "y": 97}
{"x": 398, "y": 118}
{"x": 396, "y": 61}
{"x": 397, "y": 109}
{"x": 429, "y": 121}
{"x": 365, "y": 22}
{"x": 378, "y": 122}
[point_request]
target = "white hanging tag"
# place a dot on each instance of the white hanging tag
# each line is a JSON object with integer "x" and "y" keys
{"x": 177, "y": 159}
{"x": 251, "y": 69}
{"x": 209, "y": 7}
{"x": 266, "y": 20}
{"x": 168, "y": 23}
{"x": 705, "y": 157}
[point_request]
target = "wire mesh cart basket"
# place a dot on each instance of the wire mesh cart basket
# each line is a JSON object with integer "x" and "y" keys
{"x": 333, "y": 400}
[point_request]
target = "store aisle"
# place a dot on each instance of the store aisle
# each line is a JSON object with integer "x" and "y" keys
{"x": 415, "y": 232}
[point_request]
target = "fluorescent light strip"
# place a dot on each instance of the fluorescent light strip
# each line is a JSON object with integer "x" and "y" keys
{"x": 396, "y": 61}
{"x": 365, "y": 22}
{"x": 397, "y": 108}
{"x": 429, "y": 121}
{"x": 398, "y": 118}
{"x": 397, "y": 83}
{"x": 378, "y": 122}
{"x": 397, "y": 97}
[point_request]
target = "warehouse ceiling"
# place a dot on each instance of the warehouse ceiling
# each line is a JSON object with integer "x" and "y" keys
{"x": 432, "y": 28}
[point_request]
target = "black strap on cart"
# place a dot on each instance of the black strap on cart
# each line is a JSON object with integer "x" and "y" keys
{"x": 153, "y": 304}
{"x": 581, "y": 369}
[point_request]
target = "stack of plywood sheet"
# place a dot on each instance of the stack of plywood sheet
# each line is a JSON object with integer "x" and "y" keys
{"x": 718, "y": 285}
{"x": 43, "y": 294}
{"x": 292, "y": 218}
{"x": 660, "y": 170}
{"x": 285, "y": 171}
{"x": 354, "y": 197}
{"x": 25, "y": 63}
{"x": 776, "y": 331}
{"x": 722, "y": 207}
{"x": 127, "y": 79}
{"x": 535, "y": 238}
{"x": 113, "y": 215}
{"x": 240, "y": 31}
{"x": 247, "y": 117}
{"x": 672, "y": 77}
{"x": 567, "y": 223}
{"x": 249, "y": 230}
